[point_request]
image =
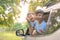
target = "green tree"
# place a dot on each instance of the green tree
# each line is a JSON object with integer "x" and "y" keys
{"x": 7, "y": 19}
{"x": 34, "y": 4}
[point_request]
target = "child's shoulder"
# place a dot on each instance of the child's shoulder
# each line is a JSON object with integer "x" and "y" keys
{"x": 44, "y": 23}
{"x": 35, "y": 22}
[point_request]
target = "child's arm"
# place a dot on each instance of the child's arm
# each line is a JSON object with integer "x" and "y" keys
{"x": 30, "y": 30}
{"x": 34, "y": 32}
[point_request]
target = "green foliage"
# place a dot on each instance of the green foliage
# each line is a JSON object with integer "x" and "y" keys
{"x": 17, "y": 2}
{"x": 1, "y": 10}
{"x": 16, "y": 26}
{"x": 34, "y": 4}
{"x": 25, "y": 26}
{"x": 7, "y": 19}
{"x": 54, "y": 28}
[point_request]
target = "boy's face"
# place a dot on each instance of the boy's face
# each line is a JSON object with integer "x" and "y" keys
{"x": 39, "y": 16}
{"x": 31, "y": 17}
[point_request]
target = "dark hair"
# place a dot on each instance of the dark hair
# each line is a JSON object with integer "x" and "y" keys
{"x": 39, "y": 11}
{"x": 46, "y": 13}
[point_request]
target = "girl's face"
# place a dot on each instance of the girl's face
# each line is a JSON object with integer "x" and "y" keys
{"x": 39, "y": 16}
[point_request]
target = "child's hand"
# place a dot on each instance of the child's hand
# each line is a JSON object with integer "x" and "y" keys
{"x": 34, "y": 32}
{"x": 41, "y": 30}
{"x": 28, "y": 18}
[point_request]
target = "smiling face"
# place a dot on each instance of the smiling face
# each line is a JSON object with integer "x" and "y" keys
{"x": 31, "y": 16}
{"x": 39, "y": 16}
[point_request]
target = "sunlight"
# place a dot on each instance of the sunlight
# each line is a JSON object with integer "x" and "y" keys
{"x": 24, "y": 11}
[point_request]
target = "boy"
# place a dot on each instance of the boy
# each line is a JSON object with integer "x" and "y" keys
{"x": 31, "y": 19}
{"x": 40, "y": 24}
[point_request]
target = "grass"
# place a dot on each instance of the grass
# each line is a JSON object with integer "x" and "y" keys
{"x": 9, "y": 36}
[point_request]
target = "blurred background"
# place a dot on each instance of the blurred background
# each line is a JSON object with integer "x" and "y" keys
{"x": 13, "y": 16}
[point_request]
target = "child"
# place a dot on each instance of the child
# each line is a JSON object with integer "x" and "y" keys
{"x": 31, "y": 19}
{"x": 40, "y": 24}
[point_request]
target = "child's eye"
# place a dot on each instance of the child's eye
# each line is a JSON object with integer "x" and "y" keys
{"x": 39, "y": 15}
